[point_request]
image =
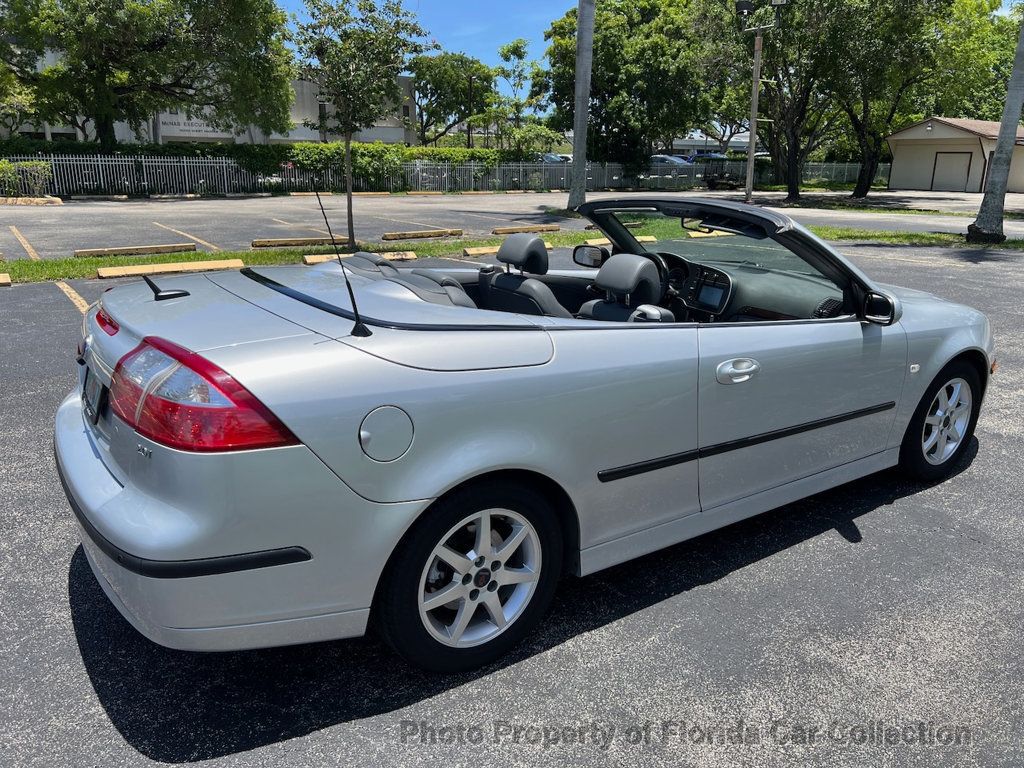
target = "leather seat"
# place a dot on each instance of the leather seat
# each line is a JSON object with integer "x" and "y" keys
{"x": 628, "y": 281}
{"x": 505, "y": 291}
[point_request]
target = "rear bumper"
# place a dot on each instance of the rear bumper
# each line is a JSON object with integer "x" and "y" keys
{"x": 225, "y": 566}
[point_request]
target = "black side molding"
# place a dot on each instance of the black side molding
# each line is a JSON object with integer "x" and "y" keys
{"x": 181, "y": 569}
{"x": 640, "y": 467}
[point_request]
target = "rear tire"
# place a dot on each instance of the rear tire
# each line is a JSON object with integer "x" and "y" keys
{"x": 496, "y": 551}
{"x": 943, "y": 424}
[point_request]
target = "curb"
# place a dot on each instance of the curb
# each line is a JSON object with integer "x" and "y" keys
{"x": 421, "y": 234}
{"x": 136, "y": 270}
{"x": 135, "y": 250}
{"x": 310, "y": 194}
{"x": 321, "y": 258}
{"x": 183, "y": 196}
{"x": 371, "y": 194}
{"x": 99, "y": 197}
{"x": 31, "y": 201}
{"x": 5, "y": 280}
{"x": 490, "y": 250}
{"x": 289, "y": 242}
{"x": 423, "y": 192}
{"x": 244, "y": 195}
{"x": 606, "y": 241}
{"x": 526, "y": 228}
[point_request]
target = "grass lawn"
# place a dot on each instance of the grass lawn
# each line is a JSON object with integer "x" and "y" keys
{"x": 27, "y": 271}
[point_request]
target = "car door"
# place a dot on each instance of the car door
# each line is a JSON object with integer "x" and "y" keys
{"x": 780, "y": 401}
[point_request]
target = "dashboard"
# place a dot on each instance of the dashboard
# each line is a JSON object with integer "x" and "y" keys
{"x": 748, "y": 292}
{"x": 700, "y": 288}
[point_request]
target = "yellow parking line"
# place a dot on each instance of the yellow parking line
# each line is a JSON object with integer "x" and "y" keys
{"x": 25, "y": 244}
{"x": 211, "y": 246}
{"x": 76, "y": 298}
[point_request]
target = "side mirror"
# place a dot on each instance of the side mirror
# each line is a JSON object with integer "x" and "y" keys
{"x": 879, "y": 309}
{"x": 589, "y": 255}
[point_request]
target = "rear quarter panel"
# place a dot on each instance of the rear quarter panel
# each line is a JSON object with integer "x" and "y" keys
{"x": 607, "y": 397}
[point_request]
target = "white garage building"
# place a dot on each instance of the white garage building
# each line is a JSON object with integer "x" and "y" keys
{"x": 949, "y": 154}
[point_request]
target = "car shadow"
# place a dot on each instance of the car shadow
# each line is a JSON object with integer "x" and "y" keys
{"x": 175, "y": 706}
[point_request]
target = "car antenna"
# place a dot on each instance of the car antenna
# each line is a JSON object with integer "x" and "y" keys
{"x": 359, "y": 329}
{"x": 162, "y": 294}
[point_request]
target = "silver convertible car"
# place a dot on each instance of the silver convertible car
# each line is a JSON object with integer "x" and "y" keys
{"x": 284, "y": 455}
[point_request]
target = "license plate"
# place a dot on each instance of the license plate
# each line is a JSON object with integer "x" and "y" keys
{"x": 92, "y": 396}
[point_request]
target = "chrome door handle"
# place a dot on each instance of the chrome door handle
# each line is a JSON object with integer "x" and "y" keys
{"x": 737, "y": 370}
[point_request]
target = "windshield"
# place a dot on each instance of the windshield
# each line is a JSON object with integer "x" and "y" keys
{"x": 702, "y": 244}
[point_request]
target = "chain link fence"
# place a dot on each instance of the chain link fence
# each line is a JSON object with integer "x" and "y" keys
{"x": 154, "y": 175}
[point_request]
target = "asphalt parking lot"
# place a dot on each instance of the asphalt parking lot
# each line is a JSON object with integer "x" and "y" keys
{"x": 216, "y": 224}
{"x": 879, "y": 602}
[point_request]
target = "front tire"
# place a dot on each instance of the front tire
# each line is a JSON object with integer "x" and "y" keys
{"x": 943, "y": 424}
{"x": 472, "y": 578}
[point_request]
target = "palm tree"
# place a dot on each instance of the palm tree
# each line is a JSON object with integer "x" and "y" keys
{"x": 988, "y": 227}
{"x": 584, "y": 60}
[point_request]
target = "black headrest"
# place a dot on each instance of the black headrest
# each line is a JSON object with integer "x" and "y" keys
{"x": 628, "y": 274}
{"x": 525, "y": 251}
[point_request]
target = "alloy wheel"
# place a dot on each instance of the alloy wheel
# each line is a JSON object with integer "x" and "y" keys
{"x": 946, "y": 421}
{"x": 479, "y": 578}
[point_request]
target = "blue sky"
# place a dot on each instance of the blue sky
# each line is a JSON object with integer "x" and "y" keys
{"x": 478, "y": 27}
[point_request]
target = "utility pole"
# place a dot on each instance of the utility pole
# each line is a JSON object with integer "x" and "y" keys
{"x": 748, "y": 195}
{"x": 584, "y": 60}
{"x": 744, "y": 8}
{"x": 469, "y": 127}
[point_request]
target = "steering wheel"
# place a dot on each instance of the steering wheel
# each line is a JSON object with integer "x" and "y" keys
{"x": 659, "y": 262}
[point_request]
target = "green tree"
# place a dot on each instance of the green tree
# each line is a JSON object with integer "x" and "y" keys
{"x": 801, "y": 114}
{"x": 222, "y": 60}
{"x": 881, "y": 50}
{"x": 517, "y": 71}
{"x": 17, "y": 102}
{"x": 646, "y": 87}
{"x": 354, "y": 50}
{"x": 450, "y": 88}
{"x": 972, "y": 63}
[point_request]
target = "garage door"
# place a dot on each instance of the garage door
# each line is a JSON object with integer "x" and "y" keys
{"x": 951, "y": 171}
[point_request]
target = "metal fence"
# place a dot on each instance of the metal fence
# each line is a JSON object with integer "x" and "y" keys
{"x": 156, "y": 175}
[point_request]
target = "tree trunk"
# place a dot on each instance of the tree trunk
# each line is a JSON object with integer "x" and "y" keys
{"x": 792, "y": 168}
{"x": 870, "y": 153}
{"x": 348, "y": 191}
{"x": 581, "y": 115}
{"x": 105, "y": 132}
{"x": 988, "y": 227}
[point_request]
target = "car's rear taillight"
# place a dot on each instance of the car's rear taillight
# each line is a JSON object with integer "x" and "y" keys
{"x": 106, "y": 322}
{"x": 177, "y": 398}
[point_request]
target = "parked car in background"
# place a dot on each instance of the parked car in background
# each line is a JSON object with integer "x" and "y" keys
{"x": 253, "y": 460}
{"x": 552, "y": 157}
{"x": 668, "y": 160}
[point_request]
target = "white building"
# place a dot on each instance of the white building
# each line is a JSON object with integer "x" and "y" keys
{"x": 174, "y": 126}
{"x": 949, "y": 154}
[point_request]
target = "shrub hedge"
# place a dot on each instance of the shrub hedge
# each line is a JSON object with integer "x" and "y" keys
{"x": 368, "y": 159}
{"x": 32, "y": 176}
